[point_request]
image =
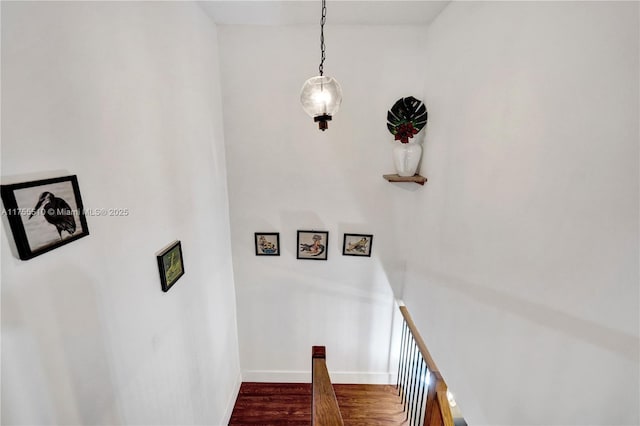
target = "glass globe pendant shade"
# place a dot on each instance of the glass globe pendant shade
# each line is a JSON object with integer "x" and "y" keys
{"x": 321, "y": 97}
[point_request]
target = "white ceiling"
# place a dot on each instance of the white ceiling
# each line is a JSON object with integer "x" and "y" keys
{"x": 296, "y": 12}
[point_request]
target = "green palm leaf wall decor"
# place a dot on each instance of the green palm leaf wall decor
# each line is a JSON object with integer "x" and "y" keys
{"x": 406, "y": 118}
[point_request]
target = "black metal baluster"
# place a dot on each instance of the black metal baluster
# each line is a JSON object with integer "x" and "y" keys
{"x": 407, "y": 377}
{"x": 405, "y": 374}
{"x": 415, "y": 379}
{"x": 400, "y": 358}
{"x": 411, "y": 376}
{"x": 403, "y": 356}
{"x": 423, "y": 389}
{"x": 414, "y": 387}
{"x": 407, "y": 367}
{"x": 420, "y": 385}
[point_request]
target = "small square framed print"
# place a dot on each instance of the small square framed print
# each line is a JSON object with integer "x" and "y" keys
{"x": 357, "y": 245}
{"x": 170, "y": 265}
{"x": 267, "y": 243}
{"x": 313, "y": 245}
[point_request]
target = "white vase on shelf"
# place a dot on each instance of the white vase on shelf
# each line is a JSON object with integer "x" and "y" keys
{"x": 406, "y": 157}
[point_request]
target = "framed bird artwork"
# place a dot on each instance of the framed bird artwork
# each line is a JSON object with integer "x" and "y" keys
{"x": 267, "y": 243}
{"x": 44, "y": 214}
{"x": 357, "y": 245}
{"x": 313, "y": 245}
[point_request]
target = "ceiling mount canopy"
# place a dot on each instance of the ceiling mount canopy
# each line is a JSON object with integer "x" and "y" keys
{"x": 321, "y": 95}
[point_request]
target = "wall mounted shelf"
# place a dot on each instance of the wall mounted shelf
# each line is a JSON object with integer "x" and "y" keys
{"x": 420, "y": 180}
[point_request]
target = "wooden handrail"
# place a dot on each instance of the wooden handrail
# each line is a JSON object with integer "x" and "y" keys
{"x": 437, "y": 410}
{"x": 324, "y": 404}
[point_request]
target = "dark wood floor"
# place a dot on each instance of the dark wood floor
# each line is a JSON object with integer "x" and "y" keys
{"x": 290, "y": 404}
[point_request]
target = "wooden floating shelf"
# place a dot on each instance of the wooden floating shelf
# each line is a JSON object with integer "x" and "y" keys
{"x": 420, "y": 180}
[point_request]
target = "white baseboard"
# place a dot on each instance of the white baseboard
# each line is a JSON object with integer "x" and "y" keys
{"x": 232, "y": 401}
{"x": 274, "y": 376}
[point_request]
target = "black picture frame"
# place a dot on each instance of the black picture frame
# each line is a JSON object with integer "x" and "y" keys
{"x": 44, "y": 214}
{"x": 267, "y": 243}
{"x": 170, "y": 268}
{"x": 312, "y": 245}
{"x": 357, "y": 245}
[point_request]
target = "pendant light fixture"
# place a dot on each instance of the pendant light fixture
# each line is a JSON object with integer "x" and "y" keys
{"x": 321, "y": 96}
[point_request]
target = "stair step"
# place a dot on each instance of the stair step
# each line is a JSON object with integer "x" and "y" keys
{"x": 369, "y": 404}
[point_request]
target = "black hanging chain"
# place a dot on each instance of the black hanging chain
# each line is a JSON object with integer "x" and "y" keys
{"x": 322, "y": 21}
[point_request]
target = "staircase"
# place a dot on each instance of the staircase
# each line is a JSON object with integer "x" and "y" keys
{"x": 419, "y": 398}
{"x": 290, "y": 404}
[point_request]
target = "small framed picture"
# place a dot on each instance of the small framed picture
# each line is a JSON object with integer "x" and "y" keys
{"x": 170, "y": 265}
{"x": 267, "y": 243}
{"x": 44, "y": 214}
{"x": 313, "y": 245}
{"x": 357, "y": 245}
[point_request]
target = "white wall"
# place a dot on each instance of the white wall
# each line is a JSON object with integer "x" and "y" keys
{"x": 126, "y": 96}
{"x": 524, "y": 280}
{"x": 285, "y": 175}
